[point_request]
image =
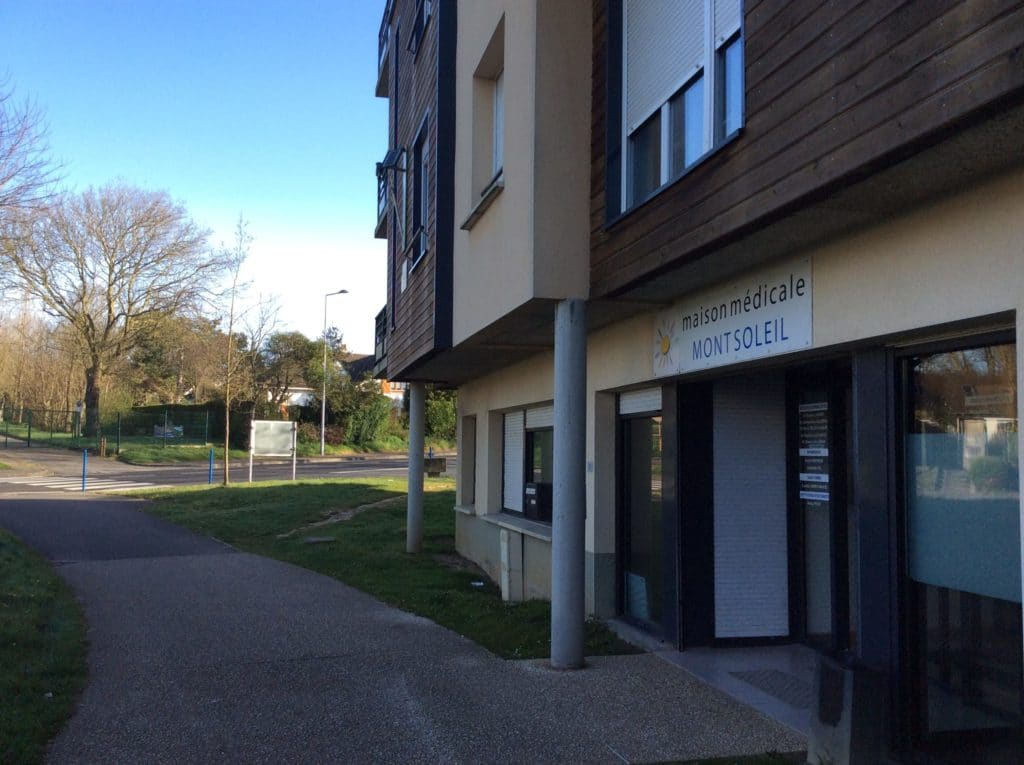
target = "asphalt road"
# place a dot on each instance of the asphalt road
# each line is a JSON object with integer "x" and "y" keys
{"x": 45, "y": 470}
{"x": 199, "y": 653}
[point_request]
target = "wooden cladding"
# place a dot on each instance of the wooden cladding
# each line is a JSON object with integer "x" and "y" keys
{"x": 834, "y": 91}
{"x": 419, "y": 302}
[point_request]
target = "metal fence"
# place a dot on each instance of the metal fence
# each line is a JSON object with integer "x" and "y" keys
{"x": 27, "y": 427}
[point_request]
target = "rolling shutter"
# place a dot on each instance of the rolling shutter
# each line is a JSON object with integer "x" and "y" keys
{"x": 512, "y": 488}
{"x": 540, "y": 417}
{"x": 727, "y": 19}
{"x": 637, "y": 401}
{"x": 751, "y": 536}
{"x": 664, "y": 45}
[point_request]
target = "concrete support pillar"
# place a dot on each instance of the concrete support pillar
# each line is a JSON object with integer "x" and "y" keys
{"x": 568, "y": 521}
{"x": 414, "y": 511}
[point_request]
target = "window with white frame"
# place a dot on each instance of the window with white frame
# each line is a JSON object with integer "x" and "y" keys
{"x": 498, "y": 127}
{"x": 682, "y": 87}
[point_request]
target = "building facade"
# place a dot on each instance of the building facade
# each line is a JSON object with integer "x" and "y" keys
{"x": 795, "y": 229}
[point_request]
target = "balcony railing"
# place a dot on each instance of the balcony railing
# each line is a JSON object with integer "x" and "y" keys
{"x": 383, "y": 48}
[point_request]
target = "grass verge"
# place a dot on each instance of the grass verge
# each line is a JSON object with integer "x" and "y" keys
{"x": 42, "y": 653}
{"x": 367, "y": 551}
{"x": 4, "y": 466}
{"x": 154, "y": 454}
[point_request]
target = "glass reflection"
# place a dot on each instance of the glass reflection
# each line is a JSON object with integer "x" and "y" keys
{"x": 963, "y": 546}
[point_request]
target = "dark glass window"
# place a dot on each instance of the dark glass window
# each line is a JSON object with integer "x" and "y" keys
{"x": 730, "y": 84}
{"x": 686, "y": 110}
{"x": 963, "y": 553}
{"x": 540, "y": 450}
{"x": 421, "y": 196}
{"x": 645, "y": 158}
{"x": 642, "y": 543}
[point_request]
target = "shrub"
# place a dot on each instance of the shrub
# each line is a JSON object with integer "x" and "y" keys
{"x": 992, "y": 474}
{"x": 308, "y": 433}
{"x": 334, "y": 435}
{"x": 369, "y": 421}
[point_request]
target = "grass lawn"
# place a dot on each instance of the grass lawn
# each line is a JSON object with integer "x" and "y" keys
{"x": 4, "y": 466}
{"x": 42, "y": 653}
{"x": 368, "y": 551}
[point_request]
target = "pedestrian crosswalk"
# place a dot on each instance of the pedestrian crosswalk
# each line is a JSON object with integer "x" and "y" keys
{"x": 57, "y": 483}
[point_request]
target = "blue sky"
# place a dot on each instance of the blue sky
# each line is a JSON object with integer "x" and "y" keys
{"x": 256, "y": 107}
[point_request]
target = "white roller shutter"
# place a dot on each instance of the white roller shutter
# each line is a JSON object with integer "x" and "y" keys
{"x": 540, "y": 417}
{"x": 664, "y": 45}
{"x": 637, "y": 401}
{"x": 751, "y": 539}
{"x": 727, "y": 19}
{"x": 513, "y": 462}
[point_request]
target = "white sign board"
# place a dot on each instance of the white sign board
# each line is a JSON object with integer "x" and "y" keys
{"x": 763, "y": 314}
{"x": 272, "y": 438}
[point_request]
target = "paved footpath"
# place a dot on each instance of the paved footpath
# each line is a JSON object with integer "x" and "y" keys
{"x": 199, "y": 653}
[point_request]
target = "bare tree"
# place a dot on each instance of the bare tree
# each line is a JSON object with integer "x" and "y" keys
{"x": 112, "y": 263}
{"x": 233, "y": 361}
{"x": 26, "y": 173}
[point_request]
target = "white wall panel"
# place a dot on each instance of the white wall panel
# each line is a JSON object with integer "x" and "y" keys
{"x": 512, "y": 462}
{"x": 751, "y": 555}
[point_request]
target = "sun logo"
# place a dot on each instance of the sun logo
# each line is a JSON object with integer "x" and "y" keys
{"x": 665, "y": 338}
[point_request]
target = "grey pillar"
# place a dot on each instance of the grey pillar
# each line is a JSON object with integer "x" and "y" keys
{"x": 569, "y": 490}
{"x": 414, "y": 511}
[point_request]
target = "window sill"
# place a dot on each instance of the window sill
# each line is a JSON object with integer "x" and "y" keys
{"x": 535, "y": 529}
{"x": 487, "y": 197}
{"x": 466, "y": 509}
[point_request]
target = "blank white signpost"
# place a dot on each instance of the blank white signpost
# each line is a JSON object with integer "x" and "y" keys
{"x": 272, "y": 438}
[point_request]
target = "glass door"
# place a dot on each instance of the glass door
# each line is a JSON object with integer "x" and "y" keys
{"x": 963, "y": 554}
{"x": 641, "y": 529}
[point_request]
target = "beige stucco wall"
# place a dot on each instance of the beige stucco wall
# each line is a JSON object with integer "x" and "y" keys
{"x": 956, "y": 259}
{"x": 533, "y": 241}
{"x": 960, "y": 258}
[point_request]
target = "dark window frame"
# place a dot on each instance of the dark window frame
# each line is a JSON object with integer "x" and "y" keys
{"x": 545, "y": 501}
{"x": 910, "y": 727}
{"x": 617, "y": 165}
{"x": 421, "y": 20}
{"x": 417, "y": 244}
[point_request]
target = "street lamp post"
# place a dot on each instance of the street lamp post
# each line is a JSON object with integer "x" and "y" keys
{"x": 323, "y": 398}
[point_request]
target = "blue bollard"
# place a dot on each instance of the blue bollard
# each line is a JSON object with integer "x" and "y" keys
{"x": 85, "y": 466}
{"x": 211, "y": 465}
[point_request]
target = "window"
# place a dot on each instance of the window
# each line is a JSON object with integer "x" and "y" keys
{"x": 961, "y": 446}
{"x": 498, "y": 128}
{"x": 420, "y": 195}
{"x": 682, "y": 88}
{"x": 419, "y": 26}
{"x": 489, "y": 117}
{"x": 528, "y": 462}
